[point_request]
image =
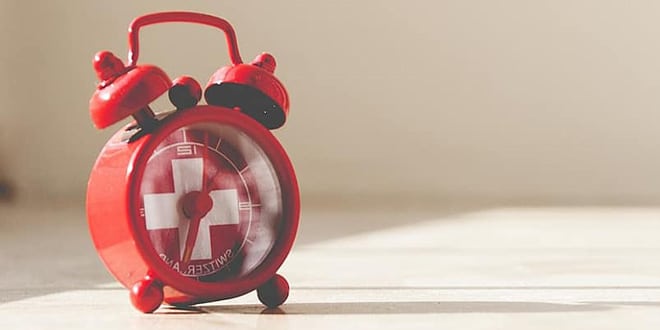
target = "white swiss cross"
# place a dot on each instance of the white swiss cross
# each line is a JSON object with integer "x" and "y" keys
{"x": 163, "y": 211}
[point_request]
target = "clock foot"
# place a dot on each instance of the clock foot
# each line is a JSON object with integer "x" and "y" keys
{"x": 274, "y": 292}
{"x": 147, "y": 294}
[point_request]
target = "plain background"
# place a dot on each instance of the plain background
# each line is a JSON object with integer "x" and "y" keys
{"x": 409, "y": 101}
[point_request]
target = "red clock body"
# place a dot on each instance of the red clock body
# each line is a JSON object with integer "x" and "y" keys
{"x": 203, "y": 208}
{"x": 200, "y": 203}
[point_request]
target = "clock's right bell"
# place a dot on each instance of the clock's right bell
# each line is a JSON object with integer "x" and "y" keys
{"x": 253, "y": 88}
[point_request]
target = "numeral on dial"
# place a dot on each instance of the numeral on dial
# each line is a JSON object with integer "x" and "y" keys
{"x": 186, "y": 150}
{"x": 247, "y": 205}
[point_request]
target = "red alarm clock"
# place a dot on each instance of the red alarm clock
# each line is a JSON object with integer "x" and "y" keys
{"x": 200, "y": 203}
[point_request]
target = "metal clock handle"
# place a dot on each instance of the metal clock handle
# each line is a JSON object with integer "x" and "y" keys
{"x": 185, "y": 17}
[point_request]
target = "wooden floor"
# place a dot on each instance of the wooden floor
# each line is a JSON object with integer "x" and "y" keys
{"x": 455, "y": 268}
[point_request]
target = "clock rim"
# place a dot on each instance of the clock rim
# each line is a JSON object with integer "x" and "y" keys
{"x": 285, "y": 174}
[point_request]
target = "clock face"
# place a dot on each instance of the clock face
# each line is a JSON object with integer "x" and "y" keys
{"x": 210, "y": 202}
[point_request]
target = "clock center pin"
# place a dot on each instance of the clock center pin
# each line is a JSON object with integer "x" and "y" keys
{"x": 196, "y": 204}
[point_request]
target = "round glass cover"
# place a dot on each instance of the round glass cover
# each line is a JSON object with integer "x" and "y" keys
{"x": 210, "y": 202}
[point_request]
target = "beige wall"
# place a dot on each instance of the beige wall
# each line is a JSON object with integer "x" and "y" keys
{"x": 508, "y": 100}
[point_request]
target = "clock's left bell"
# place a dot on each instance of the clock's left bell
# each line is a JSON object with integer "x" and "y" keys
{"x": 125, "y": 91}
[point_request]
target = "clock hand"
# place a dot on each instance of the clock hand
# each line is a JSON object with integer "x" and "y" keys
{"x": 195, "y": 206}
{"x": 193, "y": 230}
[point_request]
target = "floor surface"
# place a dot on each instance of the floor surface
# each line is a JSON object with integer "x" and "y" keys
{"x": 454, "y": 268}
